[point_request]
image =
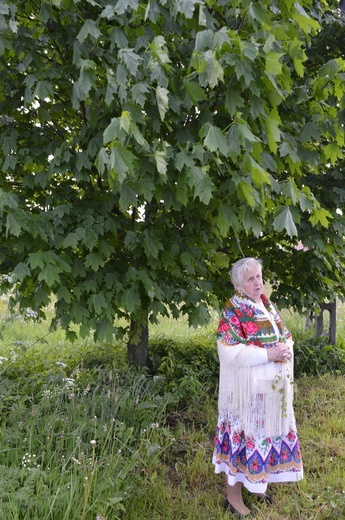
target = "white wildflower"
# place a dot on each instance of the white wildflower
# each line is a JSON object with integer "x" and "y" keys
{"x": 30, "y": 313}
{"x": 69, "y": 382}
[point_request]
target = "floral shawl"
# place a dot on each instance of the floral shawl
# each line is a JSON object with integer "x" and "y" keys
{"x": 243, "y": 322}
{"x": 258, "y": 392}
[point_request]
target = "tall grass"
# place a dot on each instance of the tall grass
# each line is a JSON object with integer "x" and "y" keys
{"x": 84, "y": 437}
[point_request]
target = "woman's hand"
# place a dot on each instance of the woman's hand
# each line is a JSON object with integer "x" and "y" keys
{"x": 281, "y": 353}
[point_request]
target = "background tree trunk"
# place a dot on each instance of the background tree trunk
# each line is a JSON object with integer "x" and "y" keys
{"x": 138, "y": 344}
{"x": 332, "y": 309}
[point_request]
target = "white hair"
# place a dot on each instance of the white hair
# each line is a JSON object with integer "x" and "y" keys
{"x": 239, "y": 267}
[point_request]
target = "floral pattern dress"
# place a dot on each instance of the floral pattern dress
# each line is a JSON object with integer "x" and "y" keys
{"x": 253, "y": 460}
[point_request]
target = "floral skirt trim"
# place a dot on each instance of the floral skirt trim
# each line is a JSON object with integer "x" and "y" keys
{"x": 255, "y": 461}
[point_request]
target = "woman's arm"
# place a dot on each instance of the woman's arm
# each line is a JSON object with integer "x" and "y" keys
{"x": 241, "y": 354}
{"x": 251, "y": 355}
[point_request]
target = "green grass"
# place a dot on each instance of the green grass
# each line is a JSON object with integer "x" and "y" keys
{"x": 83, "y": 437}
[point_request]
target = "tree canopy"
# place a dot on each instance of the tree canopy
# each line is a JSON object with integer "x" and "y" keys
{"x": 146, "y": 145}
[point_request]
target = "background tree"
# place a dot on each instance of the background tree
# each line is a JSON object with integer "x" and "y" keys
{"x": 144, "y": 144}
{"x": 313, "y": 268}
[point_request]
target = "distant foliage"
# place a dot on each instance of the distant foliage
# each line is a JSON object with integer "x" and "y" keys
{"x": 313, "y": 356}
{"x": 190, "y": 367}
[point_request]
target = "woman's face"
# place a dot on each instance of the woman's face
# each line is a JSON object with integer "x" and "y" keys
{"x": 252, "y": 284}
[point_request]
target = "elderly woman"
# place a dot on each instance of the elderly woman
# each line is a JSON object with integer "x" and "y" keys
{"x": 256, "y": 441}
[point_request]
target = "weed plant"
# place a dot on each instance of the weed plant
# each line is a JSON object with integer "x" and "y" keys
{"x": 84, "y": 437}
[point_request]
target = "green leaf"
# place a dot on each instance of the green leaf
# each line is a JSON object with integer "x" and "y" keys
{"x": 131, "y": 299}
{"x": 226, "y": 220}
{"x": 298, "y": 56}
{"x": 112, "y": 131}
{"x": 183, "y": 159}
{"x": 9, "y": 143}
{"x": 306, "y": 203}
{"x": 182, "y": 190}
{"x": 108, "y": 13}
{"x": 44, "y": 90}
{"x": 161, "y": 162}
{"x": 138, "y": 136}
{"x": 81, "y": 89}
{"x": 131, "y": 60}
{"x": 303, "y": 19}
{"x": 199, "y": 315}
{"x": 21, "y": 271}
{"x": 186, "y": 7}
{"x": 273, "y": 64}
{"x": 71, "y": 240}
{"x": 50, "y": 275}
{"x": 159, "y": 51}
{"x": 139, "y": 91}
{"x": 4, "y": 9}
{"x": 13, "y": 225}
{"x": 259, "y": 175}
{"x": 78, "y": 313}
{"x": 286, "y": 149}
{"x": 283, "y": 221}
{"x": 89, "y": 28}
{"x": 98, "y": 302}
{"x": 128, "y": 198}
{"x": 243, "y": 69}
{"x": 202, "y": 184}
{"x": 152, "y": 245}
{"x": 233, "y": 101}
{"x": 249, "y": 50}
{"x": 321, "y": 216}
{"x": 102, "y": 160}
{"x": 125, "y": 121}
{"x": 333, "y": 152}
{"x": 214, "y": 70}
{"x": 162, "y": 101}
{"x": 122, "y": 161}
{"x": 9, "y": 163}
{"x": 290, "y": 190}
{"x": 310, "y": 131}
{"x": 37, "y": 260}
{"x": 329, "y": 70}
{"x": 64, "y": 294}
{"x": 204, "y": 189}
{"x": 94, "y": 261}
{"x": 247, "y": 191}
{"x": 194, "y": 92}
{"x": 250, "y": 222}
{"x": 105, "y": 332}
{"x": 246, "y": 134}
{"x": 204, "y": 40}
{"x": 125, "y": 5}
{"x": 234, "y": 140}
{"x": 131, "y": 240}
{"x": 272, "y": 124}
{"x": 221, "y": 259}
{"x": 215, "y": 140}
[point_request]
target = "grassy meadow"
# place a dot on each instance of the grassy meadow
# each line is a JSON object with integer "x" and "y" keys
{"x": 83, "y": 437}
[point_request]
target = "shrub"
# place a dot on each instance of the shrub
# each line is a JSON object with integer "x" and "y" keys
{"x": 314, "y": 356}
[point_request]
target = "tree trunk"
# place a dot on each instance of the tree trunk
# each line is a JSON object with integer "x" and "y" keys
{"x": 138, "y": 344}
{"x": 332, "y": 309}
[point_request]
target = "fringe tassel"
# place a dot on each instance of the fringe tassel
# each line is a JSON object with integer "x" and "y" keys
{"x": 263, "y": 407}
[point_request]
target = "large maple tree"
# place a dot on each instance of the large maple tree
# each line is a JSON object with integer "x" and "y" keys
{"x": 146, "y": 145}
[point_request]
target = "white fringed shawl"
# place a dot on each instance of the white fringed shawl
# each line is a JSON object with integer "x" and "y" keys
{"x": 258, "y": 392}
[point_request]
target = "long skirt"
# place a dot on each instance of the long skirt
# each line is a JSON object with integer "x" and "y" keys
{"x": 255, "y": 461}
